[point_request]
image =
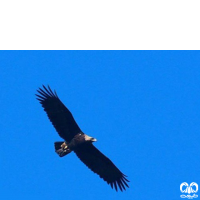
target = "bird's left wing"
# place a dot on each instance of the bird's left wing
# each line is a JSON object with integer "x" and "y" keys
{"x": 101, "y": 165}
{"x": 58, "y": 114}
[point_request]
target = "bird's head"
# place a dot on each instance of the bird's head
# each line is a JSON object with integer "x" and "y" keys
{"x": 90, "y": 139}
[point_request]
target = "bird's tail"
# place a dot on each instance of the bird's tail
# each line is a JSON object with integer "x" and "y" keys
{"x": 61, "y": 148}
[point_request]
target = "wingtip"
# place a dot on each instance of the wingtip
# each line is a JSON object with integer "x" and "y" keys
{"x": 45, "y": 92}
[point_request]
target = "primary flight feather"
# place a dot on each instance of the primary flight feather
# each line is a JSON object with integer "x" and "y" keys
{"x": 75, "y": 140}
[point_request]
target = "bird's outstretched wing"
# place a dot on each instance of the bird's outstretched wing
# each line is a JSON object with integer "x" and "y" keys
{"x": 101, "y": 165}
{"x": 58, "y": 114}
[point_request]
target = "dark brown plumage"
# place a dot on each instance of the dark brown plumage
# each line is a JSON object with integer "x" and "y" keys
{"x": 77, "y": 141}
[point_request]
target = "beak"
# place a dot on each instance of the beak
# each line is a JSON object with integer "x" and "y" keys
{"x": 94, "y": 140}
{"x": 88, "y": 138}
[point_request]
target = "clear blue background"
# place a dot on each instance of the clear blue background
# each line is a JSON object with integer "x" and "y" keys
{"x": 142, "y": 106}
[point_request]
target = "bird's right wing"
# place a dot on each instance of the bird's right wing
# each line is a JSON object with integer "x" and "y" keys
{"x": 58, "y": 114}
{"x": 101, "y": 165}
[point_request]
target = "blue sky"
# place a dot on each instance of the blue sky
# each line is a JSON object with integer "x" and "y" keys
{"x": 142, "y": 106}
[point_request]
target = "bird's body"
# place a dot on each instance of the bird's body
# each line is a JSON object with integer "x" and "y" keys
{"x": 63, "y": 148}
{"x": 75, "y": 140}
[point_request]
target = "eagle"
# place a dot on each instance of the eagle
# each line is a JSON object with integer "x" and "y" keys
{"x": 77, "y": 141}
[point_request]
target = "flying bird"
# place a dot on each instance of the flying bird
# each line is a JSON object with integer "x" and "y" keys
{"x": 78, "y": 142}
